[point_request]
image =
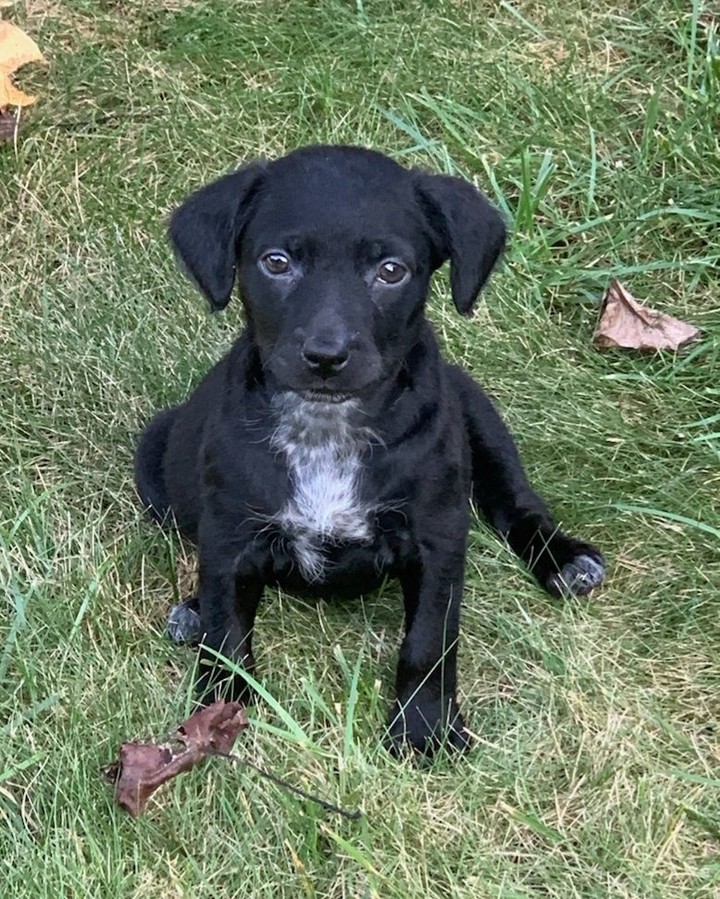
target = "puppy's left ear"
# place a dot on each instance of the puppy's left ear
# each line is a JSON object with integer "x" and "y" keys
{"x": 468, "y": 230}
{"x": 206, "y": 228}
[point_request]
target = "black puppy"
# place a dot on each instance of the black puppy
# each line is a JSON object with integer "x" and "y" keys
{"x": 333, "y": 447}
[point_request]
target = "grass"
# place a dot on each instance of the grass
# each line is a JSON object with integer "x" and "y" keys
{"x": 595, "y": 769}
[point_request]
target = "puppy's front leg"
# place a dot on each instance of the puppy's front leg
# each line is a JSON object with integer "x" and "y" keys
{"x": 231, "y": 587}
{"x": 425, "y": 715}
{"x": 561, "y": 563}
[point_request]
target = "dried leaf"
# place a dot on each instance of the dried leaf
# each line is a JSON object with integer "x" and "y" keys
{"x": 16, "y": 49}
{"x": 214, "y": 728}
{"x": 625, "y": 322}
{"x": 144, "y": 767}
{"x": 8, "y": 125}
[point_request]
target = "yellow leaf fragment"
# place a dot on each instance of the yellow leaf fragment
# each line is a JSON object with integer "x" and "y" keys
{"x": 11, "y": 96}
{"x": 16, "y": 49}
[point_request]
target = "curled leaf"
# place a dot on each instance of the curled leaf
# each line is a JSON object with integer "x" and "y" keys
{"x": 625, "y": 322}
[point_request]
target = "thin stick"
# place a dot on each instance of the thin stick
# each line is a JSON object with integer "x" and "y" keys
{"x": 323, "y": 803}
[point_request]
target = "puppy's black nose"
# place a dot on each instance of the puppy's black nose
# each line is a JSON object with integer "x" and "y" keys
{"x": 326, "y": 357}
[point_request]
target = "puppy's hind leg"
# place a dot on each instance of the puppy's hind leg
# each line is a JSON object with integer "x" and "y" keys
{"x": 561, "y": 564}
{"x": 183, "y": 625}
{"x": 149, "y": 474}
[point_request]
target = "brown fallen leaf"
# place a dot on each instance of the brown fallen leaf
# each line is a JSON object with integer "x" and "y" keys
{"x": 144, "y": 767}
{"x": 625, "y": 322}
{"x": 8, "y": 125}
{"x": 16, "y": 49}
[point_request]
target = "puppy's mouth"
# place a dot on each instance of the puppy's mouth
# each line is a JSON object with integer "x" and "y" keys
{"x": 325, "y": 396}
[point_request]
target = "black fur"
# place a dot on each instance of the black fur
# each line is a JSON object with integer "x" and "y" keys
{"x": 330, "y": 328}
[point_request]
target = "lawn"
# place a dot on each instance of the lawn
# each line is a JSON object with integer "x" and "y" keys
{"x": 596, "y": 765}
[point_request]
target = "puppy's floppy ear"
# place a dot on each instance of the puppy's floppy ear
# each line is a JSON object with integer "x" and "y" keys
{"x": 468, "y": 230}
{"x": 204, "y": 231}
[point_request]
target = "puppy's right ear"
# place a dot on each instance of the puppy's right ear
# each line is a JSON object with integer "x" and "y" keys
{"x": 204, "y": 231}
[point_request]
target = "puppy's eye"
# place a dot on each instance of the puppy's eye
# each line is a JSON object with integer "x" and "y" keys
{"x": 275, "y": 263}
{"x": 391, "y": 272}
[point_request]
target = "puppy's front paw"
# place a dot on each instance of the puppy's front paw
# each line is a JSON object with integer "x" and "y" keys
{"x": 183, "y": 623}
{"x": 563, "y": 565}
{"x": 425, "y": 726}
{"x": 578, "y": 576}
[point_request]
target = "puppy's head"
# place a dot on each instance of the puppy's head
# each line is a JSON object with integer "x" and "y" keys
{"x": 333, "y": 249}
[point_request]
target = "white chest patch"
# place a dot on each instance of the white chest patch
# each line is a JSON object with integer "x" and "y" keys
{"x": 323, "y": 448}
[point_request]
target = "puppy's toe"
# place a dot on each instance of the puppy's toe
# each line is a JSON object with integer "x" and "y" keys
{"x": 421, "y": 733}
{"x": 183, "y": 623}
{"x": 578, "y": 576}
{"x": 457, "y": 738}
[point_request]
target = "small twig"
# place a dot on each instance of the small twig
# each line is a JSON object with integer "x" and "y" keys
{"x": 323, "y": 803}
